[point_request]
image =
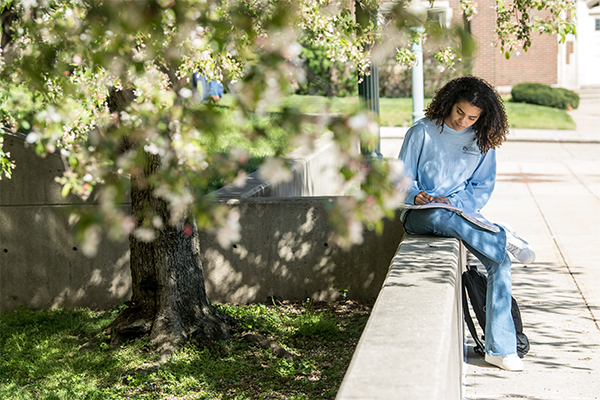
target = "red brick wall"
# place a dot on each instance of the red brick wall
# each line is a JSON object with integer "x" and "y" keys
{"x": 538, "y": 64}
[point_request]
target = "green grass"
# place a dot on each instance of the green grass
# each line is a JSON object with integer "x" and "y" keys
{"x": 530, "y": 116}
{"x": 41, "y": 356}
{"x": 398, "y": 112}
{"x": 392, "y": 112}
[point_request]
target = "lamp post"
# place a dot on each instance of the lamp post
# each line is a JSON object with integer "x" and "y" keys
{"x": 418, "y": 12}
{"x": 368, "y": 88}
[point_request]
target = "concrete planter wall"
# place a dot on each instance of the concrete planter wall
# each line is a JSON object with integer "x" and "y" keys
{"x": 41, "y": 263}
{"x": 284, "y": 251}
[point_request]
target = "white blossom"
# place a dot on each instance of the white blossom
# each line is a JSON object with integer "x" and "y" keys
{"x": 185, "y": 93}
{"x": 144, "y": 234}
{"x": 355, "y": 232}
{"x": 32, "y": 137}
{"x": 91, "y": 240}
{"x": 275, "y": 171}
{"x": 229, "y": 233}
{"x": 358, "y": 122}
{"x": 157, "y": 222}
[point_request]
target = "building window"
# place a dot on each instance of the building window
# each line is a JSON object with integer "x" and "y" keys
{"x": 598, "y": 24}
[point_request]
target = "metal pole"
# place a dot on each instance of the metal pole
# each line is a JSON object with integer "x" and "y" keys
{"x": 368, "y": 89}
{"x": 417, "y": 77}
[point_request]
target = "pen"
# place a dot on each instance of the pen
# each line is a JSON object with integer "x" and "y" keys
{"x": 422, "y": 190}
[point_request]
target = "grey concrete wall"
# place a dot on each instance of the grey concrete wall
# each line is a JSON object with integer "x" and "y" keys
{"x": 41, "y": 263}
{"x": 284, "y": 251}
{"x": 412, "y": 346}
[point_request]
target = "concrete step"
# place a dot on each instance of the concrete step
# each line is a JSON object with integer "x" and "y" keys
{"x": 589, "y": 93}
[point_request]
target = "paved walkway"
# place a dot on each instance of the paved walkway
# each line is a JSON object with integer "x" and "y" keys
{"x": 587, "y": 115}
{"x": 548, "y": 189}
{"x": 550, "y": 194}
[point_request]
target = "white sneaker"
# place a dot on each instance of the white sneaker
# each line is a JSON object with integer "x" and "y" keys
{"x": 517, "y": 246}
{"x": 511, "y": 362}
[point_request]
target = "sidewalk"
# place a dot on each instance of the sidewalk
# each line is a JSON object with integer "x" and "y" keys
{"x": 587, "y": 115}
{"x": 550, "y": 194}
{"x": 548, "y": 189}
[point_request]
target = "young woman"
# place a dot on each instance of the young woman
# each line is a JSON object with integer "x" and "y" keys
{"x": 451, "y": 159}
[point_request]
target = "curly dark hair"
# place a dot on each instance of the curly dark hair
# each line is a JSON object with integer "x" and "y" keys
{"x": 491, "y": 127}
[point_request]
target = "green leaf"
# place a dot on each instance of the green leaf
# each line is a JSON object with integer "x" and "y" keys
{"x": 65, "y": 190}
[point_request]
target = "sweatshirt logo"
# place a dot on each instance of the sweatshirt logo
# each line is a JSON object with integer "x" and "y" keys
{"x": 474, "y": 151}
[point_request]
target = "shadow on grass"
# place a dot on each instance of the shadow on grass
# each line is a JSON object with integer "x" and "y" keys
{"x": 41, "y": 356}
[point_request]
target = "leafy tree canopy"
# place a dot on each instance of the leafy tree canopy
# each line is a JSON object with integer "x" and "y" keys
{"x": 106, "y": 84}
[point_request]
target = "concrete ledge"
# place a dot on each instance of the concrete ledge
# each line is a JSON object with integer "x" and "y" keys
{"x": 412, "y": 346}
{"x": 315, "y": 172}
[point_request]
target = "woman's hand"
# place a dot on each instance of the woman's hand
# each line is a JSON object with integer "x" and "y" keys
{"x": 441, "y": 199}
{"x": 423, "y": 198}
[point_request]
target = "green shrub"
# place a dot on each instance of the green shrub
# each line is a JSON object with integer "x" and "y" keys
{"x": 571, "y": 98}
{"x": 544, "y": 95}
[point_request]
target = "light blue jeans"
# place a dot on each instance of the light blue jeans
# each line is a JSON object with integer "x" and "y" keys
{"x": 489, "y": 248}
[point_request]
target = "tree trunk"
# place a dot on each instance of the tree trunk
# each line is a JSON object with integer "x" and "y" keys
{"x": 169, "y": 300}
{"x": 7, "y": 18}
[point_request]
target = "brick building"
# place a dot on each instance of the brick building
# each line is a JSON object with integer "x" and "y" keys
{"x": 537, "y": 64}
{"x": 574, "y": 64}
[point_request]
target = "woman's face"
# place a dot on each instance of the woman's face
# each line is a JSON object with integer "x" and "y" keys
{"x": 462, "y": 115}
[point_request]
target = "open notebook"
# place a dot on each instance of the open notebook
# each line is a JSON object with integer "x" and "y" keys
{"x": 482, "y": 224}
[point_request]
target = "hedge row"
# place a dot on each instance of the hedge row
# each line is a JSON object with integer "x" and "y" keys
{"x": 544, "y": 95}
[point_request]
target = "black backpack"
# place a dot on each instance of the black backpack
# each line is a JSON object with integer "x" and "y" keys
{"x": 474, "y": 283}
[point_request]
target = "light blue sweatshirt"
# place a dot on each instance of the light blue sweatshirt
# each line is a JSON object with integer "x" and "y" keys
{"x": 448, "y": 164}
